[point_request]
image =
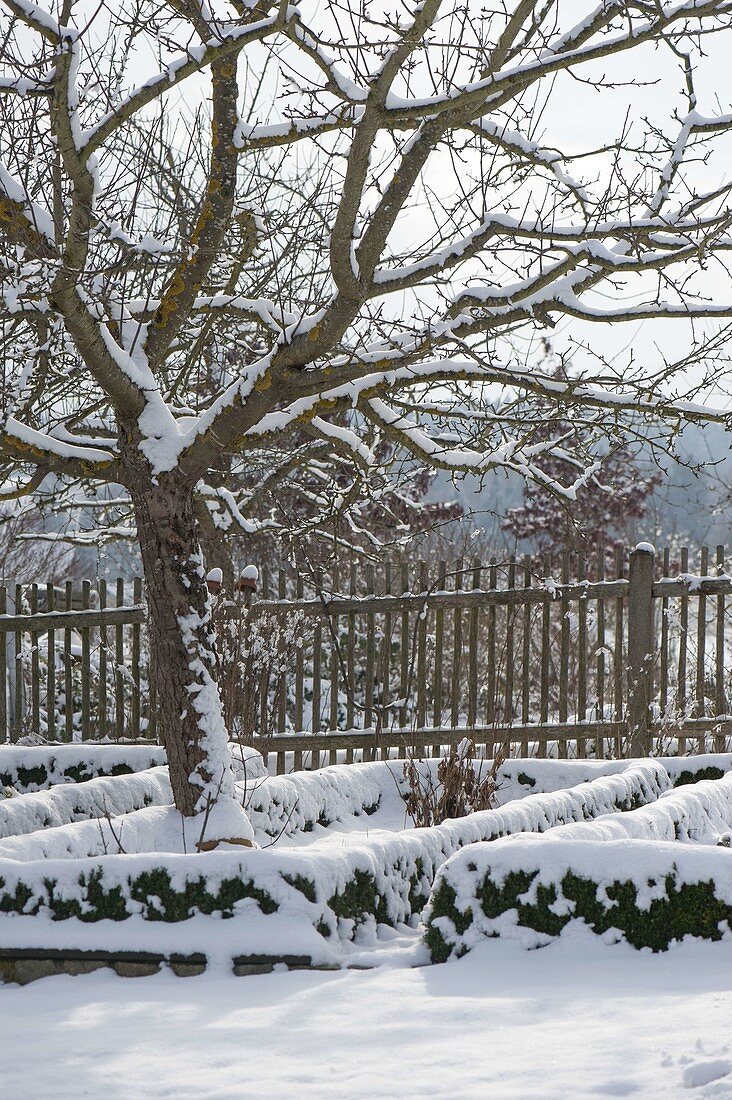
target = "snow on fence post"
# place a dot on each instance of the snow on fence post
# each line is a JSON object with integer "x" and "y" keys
{"x": 640, "y": 648}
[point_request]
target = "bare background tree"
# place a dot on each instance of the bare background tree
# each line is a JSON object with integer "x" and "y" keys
{"x": 604, "y": 512}
{"x": 24, "y": 555}
{"x": 336, "y": 232}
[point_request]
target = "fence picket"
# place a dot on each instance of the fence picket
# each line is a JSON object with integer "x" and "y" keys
{"x": 152, "y": 696}
{"x": 683, "y": 643}
{"x": 600, "y": 663}
{"x": 404, "y": 656}
{"x": 334, "y": 665}
{"x": 546, "y": 625}
{"x": 4, "y": 730}
{"x": 508, "y": 713}
{"x": 422, "y": 660}
{"x": 317, "y": 647}
{"x": 50, "y": 668}
{"x": 119, "y": 678}
{"x": 135, "y": 710}
{"x": 35, "y": 668}
{"x": 581, "y": 653}
{"x": 102, "y": 707}
{"x": 701, "y": 641}
{"x": 473, "y": 651}
{"x": 457, "y": 650}
{"x": 19, "y": 684}
{"x": 564, "y": 656}
{"x": 618, "y": 686}
{"x": 68, "y": 669}
{"x": 299, "y": 681}
{"x": 264, "y": 722}
{"x": 664, "y": 669}
{"x": 351, "y": 660}
{"x": 439, "y": 644}
{"x": 85, "y": 665}
{"x": 491, "y": 716}
{"x": 720, "y": 702}
{"x": 384, "y": 714}
{"x": 368, "y": 718}
{"x": 526, "y": 657}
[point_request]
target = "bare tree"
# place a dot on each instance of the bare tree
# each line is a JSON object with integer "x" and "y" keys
{"x": 603, "y": 512}
{"x": 342, "y": 229}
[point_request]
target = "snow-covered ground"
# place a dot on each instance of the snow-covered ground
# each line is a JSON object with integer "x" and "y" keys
{"x": 578, "y": 1019}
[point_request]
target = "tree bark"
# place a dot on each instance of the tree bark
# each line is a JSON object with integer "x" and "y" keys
{"x": 189, "y": 713}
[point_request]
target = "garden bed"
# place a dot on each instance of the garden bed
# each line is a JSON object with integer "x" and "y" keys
{"x": 104, "y": 865}
{"x": 307, "y": 901}
{"x": 627, "y": 874}
{"x": 38, "y": 767}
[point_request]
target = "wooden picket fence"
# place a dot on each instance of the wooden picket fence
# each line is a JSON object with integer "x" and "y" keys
{"x": 609, "y": 657}
{"x": 73, "y": 663}
{"x": 605, "y": 657}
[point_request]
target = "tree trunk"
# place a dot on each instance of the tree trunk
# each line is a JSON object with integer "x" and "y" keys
{"x": 189, "y": 714}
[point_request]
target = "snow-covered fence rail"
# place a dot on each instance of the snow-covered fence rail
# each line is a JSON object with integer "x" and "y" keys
{"x": 522, "y": 656}
{"x": 74, "y": 661}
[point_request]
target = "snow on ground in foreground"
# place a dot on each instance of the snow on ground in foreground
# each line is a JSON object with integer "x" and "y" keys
{"x": 578, "y": 1019}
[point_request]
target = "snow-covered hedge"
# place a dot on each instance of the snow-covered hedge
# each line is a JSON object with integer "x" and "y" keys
{"x": 296, "y": 803}
{"x": 687, "y": 813}
{"x": 107, "y": 796}
{"x": 68, "y": 822}
{"x": 694, "y": 769}
{"x": 33, "y": 768}
{"x": 144, "y": 821}
{"x": 277, "y": 805}
{"x": 531, "y": 776}
{"x": 37, "y": 767}
{"x": 66, "y": 803}
{"x": 66, "y": 817}
{"x": 384, "y": 880}
{"x": 649, "y": 893}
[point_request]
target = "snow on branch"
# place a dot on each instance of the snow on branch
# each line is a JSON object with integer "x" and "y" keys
{"x": 196, "y": 58}
{"x": 42, "y": 445}
{"x": 345, "y": 436}
{"x": 39, "y": 20}
{"x": 195, "y": 339}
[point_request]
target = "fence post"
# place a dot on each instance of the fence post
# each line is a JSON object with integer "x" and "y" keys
{"x": 640, "y": 648}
